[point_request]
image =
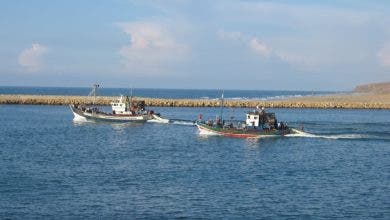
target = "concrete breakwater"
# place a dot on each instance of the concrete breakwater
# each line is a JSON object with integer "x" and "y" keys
{"x": 306, "y": 102}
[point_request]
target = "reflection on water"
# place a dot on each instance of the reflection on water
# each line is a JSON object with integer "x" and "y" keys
{"x": 122, "y": 126}
{"x": 253, "y": 142}
{"x": 115, "y": 125}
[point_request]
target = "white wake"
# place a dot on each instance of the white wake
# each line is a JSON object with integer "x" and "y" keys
{"x": 177, "y": 122}
{"x": 158, "y": 119}
{"x": 78, "y": 118}
{"x": 334, "y": 136}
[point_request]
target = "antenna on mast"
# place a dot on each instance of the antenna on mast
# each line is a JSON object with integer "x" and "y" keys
{"x": 221, "y": 105}
{"x": 95, "y": 86}
{"x": 131, "y": 95}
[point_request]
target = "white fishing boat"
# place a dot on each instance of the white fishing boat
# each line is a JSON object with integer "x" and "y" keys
{"x": 124, "y": 109}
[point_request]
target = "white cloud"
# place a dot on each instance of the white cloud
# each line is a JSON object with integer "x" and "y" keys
{"x": 260, "y": 47}
{"x": 32, "y": 58}
{"x": 300, "y": 52}
{"x": 152, "y": 49}
{"x": 304, "y": 35}
{"x": 384, "y": 55}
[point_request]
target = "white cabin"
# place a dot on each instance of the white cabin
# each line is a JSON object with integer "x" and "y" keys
{"x": 253, "y": 118}
{"x": 120, "y": 106}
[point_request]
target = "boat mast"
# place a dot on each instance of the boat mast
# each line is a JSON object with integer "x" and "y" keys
{"x": 131, "y": 95}
{"x": 95, "y": 86}
{"x": 221, "y": 106}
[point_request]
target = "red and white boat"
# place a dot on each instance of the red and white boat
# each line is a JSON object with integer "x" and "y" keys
{"x": 258, "y": 124}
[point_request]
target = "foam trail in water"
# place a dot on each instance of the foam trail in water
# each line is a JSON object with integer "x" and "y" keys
{"x": 336, "y": 136}
{"x": 179, "y": 122}
{"x": 78, "y": 118}
{"x": 158, "y": 119}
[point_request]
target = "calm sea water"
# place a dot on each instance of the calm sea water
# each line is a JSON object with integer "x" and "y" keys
{"x": 163, "y": 93}
{"x": 52, "y": 167}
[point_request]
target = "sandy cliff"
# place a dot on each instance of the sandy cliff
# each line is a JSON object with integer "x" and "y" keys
{"x": 377, "y": 88}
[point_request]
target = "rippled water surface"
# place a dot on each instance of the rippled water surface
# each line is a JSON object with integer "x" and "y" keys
{"x": 51, "y": 167}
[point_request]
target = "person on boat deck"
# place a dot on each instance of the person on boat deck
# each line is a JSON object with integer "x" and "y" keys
{"x": 218, "y": 121}
{"x": 283, "y": 125}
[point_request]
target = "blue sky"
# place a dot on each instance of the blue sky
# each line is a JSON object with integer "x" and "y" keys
{"x": 281, "y": 45}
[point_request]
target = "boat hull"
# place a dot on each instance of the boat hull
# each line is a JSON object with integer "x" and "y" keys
{"x": 98, "y": 116}
{"x": 242, "y": 133}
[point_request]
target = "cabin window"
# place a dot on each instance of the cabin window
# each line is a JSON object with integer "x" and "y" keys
{"x": 255, "y": 117}
{"x": 249, "y": 117}
{"x": 121, "y": 104}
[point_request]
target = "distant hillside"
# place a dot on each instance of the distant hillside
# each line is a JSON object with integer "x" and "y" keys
{"x": 379, "y": 88}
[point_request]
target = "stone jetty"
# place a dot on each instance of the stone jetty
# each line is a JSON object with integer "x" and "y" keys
{"x": 362, "y": 101}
